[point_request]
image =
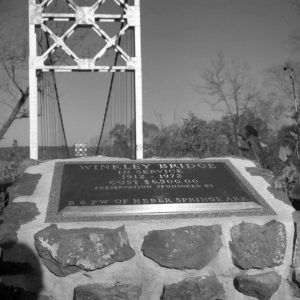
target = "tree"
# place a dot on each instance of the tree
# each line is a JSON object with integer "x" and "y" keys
{"x": 272, "y": 110}
{"x": 278, "y": 82}
{"x": 150, "y": 130}
{"x": 122, "y": 140}
{"x": 14, "y": 87}
{"x": 193, "y": 137}
{"x": 280, "y": 105}
{"x": 13, "y": 72}
{"x": 230, "y": 90}
{"x": 163, "y": 143}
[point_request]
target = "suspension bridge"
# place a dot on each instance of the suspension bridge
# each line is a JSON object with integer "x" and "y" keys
{"x": 52, "y": 24}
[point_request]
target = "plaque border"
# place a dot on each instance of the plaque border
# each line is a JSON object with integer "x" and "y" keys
{"x": 53, "y": 216}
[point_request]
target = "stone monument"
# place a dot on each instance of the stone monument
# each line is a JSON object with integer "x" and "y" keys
{"x": 150, "y": 229}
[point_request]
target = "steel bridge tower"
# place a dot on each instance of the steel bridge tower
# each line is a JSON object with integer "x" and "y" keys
{"x": 84, "y": 16}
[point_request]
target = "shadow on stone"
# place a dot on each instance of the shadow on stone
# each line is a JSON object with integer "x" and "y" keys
{"x": 200, "y": 287}
{"x": 21, "y": 274}
{"x": 24, "y": 185}
{"x": 15, "y": 215}
{"x": 107, "y": 292}
{"x": 260, "y": 286}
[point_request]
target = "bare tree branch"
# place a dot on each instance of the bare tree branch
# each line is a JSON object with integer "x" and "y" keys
{"x": 7, "y": 104}
{"x": 14, "y": 114}
{"x": 11, "y": 75}
{"x": 229, "y": 87}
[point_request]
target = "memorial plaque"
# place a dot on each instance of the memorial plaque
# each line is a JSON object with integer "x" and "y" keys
{"x": 135, "y": 188}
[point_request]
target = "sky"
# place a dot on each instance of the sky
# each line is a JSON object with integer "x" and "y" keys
{"x": 179, "y": 39}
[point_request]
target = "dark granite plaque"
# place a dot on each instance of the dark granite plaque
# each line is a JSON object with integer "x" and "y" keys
{"x": 149, "y": 187}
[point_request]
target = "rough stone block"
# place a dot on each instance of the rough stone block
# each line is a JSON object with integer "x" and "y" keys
{"x": 258, "y": 247}
{"x": 183, "y": 248}
{"x": 295, "y": 284}
{"x": 200, "y": 288}
{"x": 68, "y": 251}
{"x": 105, "y": 292}
{"x": 296, "y": 256}
{"x": 261, "y": 286}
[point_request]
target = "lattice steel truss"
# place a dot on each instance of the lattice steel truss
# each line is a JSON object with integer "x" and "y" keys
{"x": 83, "y": 16}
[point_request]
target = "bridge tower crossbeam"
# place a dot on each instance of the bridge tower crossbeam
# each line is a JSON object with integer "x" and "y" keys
{"x": 84, "y": 16}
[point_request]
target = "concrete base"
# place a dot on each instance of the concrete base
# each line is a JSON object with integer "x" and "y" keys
{"x": 142, "y": 271}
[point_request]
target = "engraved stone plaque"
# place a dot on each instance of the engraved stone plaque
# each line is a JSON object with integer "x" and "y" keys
{"x": 136, "y": 188}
